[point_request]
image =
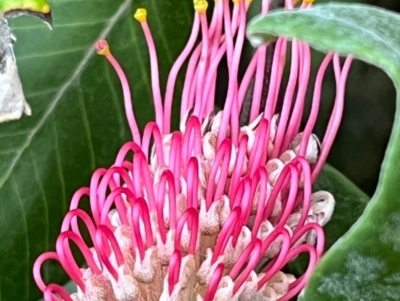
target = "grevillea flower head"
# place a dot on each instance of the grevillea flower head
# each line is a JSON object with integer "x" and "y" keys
{"x": 216, "y": 209}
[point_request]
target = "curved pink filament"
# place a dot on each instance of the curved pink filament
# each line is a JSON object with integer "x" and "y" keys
{"x": 67, "y": 261}
{"x": 260, "y": 57}
{"x": 237, "y": 171}
{"x": 214, "y": 282}
{"x": 108, "y": 180}
{"x": 235, "y": 15}
{"x": 124, "y": 150}
{"x": 94, "y": 202}
{"x": 261, "y": 202}
{"x": 139, "y": 210}
{"x": 175, "y": 159}
{"x": 291, "y": 199}
{"x": 304, "y": 76}
{"x": 37, "y": 276}
{"x": 189, "y": 83}
{"x": 281, "y": 68}
{"x": 218, "y": 52}
{"x": 71, "y": 220}
{"x": 101, "y": 246}
{"x": 192, "y": 180}
{"x": 150, "y": 130}
{"x": 215, "y": 31}
{"x": 174, "y": 270}
{"x": 254, "y": 259}
{"x": 315, "y": 105}
{"x": 337, "y": 71}
{"x": 295, "y": 287}
{"x": 192, "y": 94}
{"x": 121, "y": 156}
{"x": 287, "y": 102}
{"x": 155, "y": 81}
{"x": 203, "y": 63}
{"x": 142, "y": 173}
{"x": 226, "y": 232}
{"x": 127, "y": 94}
{"x": 285, "y": 173}
{"x": 233, "y": 54}
{"x": 260, "y": 146}
{"x": 243, "y": 200}
{"x": 76, "y": 198}
{"x": 278, "y": 63}
{"x": 277, "y": 263}
{"x": 59, "y": 290}
{"x": 211, "y": 76}
{"x": 167, "y": 177}
{"x": 228, "y": 32}
{"x": 115, "y": 197}
{"x": 223, "y": 154}
{"x": 337, "y": 116}
{"x": 243, "y": 258}
{"x": 320, "y": 236}
{"x": 307, "y": 185}
{"x": 169, "y": 94}
{"x": 247, "y": 77}
{"x": 193, "y": 214}
{"x": 191, "y": 145}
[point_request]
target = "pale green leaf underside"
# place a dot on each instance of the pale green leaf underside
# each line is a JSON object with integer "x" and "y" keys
{"x": 363, "y": 265}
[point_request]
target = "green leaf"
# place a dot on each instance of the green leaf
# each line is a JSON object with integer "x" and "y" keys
{"x": 77, "y": 122}
{"x": 363, "y": 265}
{"x": 350, "y": 204}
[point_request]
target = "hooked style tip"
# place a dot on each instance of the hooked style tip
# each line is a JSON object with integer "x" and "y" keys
{"x": 102, "y": 47}
{"x": 140, "y": 14}
{"x": 200, "y": 6}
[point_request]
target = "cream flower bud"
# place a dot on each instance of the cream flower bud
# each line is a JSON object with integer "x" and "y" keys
{"x": 313, "y": 146}
{"x": 322, "y": 206}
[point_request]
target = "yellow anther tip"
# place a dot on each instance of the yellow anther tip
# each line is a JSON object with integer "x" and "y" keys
{"x": 309, "y": 1}
{"x": 102, "y": 47}
{"x": 200, "y": 6}
{"x": 140, "y": 14}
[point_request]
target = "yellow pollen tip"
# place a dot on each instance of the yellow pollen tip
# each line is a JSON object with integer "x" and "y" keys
{"x": 200, "y": 6}
{"x": 140, "y": 14}
{"x": 102, "y": 47}
{"x": 309, "y": 1}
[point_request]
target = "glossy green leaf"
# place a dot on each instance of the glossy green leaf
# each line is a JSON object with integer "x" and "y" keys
{"x": 364, "y": 264}
{"x": 350, "y": 204}
{"x": 77, "y": 122}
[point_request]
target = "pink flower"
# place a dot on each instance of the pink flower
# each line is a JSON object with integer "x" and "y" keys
{"x": 215, "y": 210}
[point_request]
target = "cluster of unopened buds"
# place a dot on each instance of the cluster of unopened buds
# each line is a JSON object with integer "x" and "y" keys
{"x": 214, "y": 210}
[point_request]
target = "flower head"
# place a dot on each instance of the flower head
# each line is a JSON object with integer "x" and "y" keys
{"x": 215, "y": 210}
